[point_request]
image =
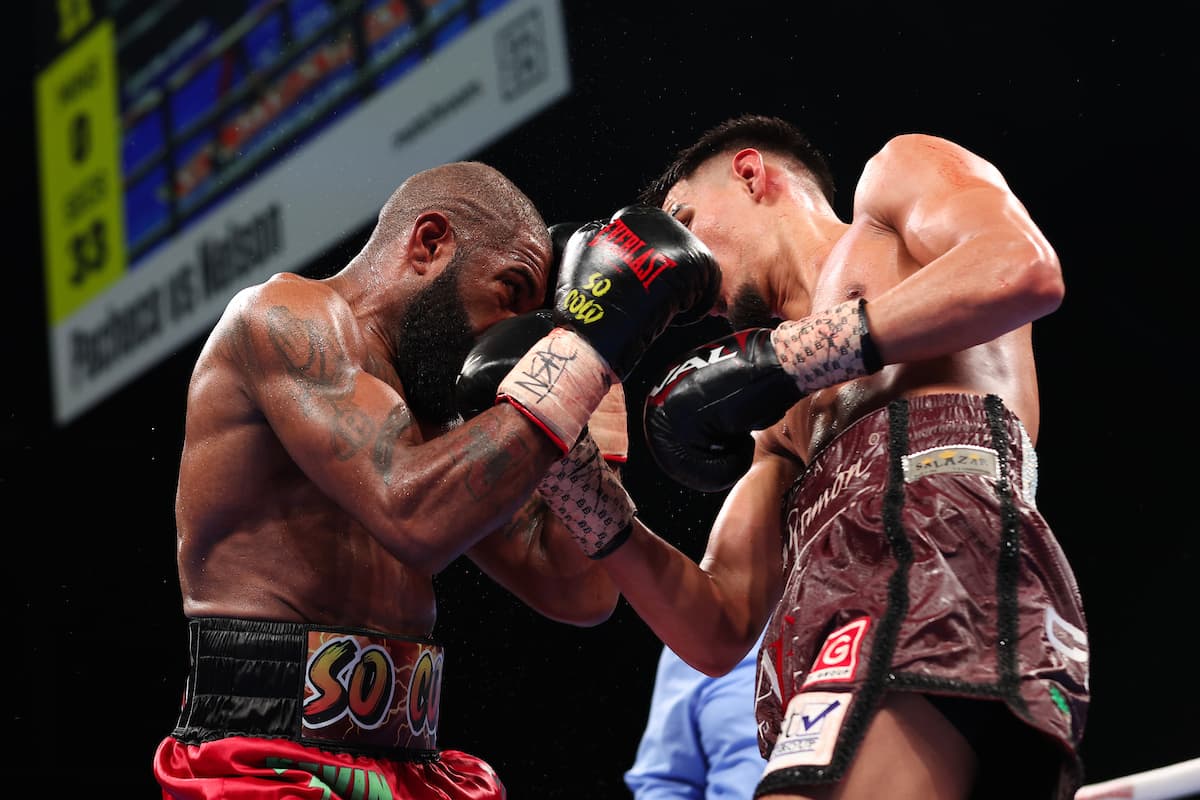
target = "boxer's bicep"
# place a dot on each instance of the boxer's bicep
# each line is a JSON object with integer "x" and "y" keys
{"x": 340, "y": 424}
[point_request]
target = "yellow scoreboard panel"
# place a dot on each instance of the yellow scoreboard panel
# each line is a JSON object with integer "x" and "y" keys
{"x": 83, "y": 239}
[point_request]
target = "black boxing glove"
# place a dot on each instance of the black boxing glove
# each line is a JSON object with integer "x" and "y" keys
{"x": 621, "y": 283}
{"x": 493, "y": 357}
{"x": 560, "y": 234}
{"x": 497, "y": 352}
{"x": 698, "y": 420}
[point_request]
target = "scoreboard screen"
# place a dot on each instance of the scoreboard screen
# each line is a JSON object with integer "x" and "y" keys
{"x": 187, "y": 150}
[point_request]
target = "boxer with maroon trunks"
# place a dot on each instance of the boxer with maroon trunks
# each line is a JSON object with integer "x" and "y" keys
{"x": 328, "y": 473}
{"x": 916, "y": 560}
{"x": 872, "y": 417}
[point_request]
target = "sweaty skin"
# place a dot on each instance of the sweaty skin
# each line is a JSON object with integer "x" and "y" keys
{"x": 950, "y": 263}
{"x": 893, "y": 239}
{"x": 954, "y": 272}
{"x": 310, "y": 491}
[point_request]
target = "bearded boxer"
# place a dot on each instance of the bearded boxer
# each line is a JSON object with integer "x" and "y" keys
{"x": 327, "y": 475}
{"x": 873, "y": 420}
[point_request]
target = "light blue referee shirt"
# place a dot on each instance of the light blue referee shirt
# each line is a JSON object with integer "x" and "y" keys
{"x": 701, "y": 739}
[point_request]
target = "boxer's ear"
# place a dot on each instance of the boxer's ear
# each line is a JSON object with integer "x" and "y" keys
{"x": 431, "y": 242}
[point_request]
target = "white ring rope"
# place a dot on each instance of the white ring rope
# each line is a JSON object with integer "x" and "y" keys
{"x": 1172, "y": 782}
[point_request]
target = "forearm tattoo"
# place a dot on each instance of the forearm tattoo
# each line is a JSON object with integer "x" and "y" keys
{"x": 495, "y": 461}
{"x": 398, "y": 421}
{"x": 528, "y": 520}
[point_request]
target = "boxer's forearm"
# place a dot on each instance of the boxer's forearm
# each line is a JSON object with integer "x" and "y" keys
{"x": 685, "y": 606}
{"x": 535, "y": 559}
{"x": 711, "y": 613}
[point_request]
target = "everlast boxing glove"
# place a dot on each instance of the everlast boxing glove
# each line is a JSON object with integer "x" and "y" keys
{"x": 560, "y": 234}
{"x": 698, "y": 420}
{"x": 619, "y": 286}
{"x": 621, "y": 283}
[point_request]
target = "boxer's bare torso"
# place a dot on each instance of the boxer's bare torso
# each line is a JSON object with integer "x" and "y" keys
{"x": 1003, "y": 366}
{"x": 258, "y": 538}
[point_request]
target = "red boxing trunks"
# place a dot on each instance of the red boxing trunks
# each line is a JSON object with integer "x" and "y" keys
{"x": 278, "y": 709}
{"x": 917, "y": 561}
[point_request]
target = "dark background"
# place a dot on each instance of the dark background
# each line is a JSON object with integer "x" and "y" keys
{"x": 1087, "y": 114}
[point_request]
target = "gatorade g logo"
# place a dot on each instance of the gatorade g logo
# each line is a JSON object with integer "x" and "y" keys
{"x": 348, "y": 679}
{"x": 839, "y": 656}
{"x": 646, "y": 262}
{"x": 425, "y": 693}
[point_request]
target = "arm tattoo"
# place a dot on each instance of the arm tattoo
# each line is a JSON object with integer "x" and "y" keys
{"x": 398, "y": 421}
{"x": 300, "y": 344}
{"x": 492, "y": 461}
{"x": 527, "y": 521}
{"x": 351, "y": 431}
{"x": 305, "y": 350}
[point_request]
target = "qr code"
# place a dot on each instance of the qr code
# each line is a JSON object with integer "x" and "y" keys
{"x": 521, "y": 54}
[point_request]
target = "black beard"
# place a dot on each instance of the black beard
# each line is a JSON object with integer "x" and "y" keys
{"x": 750, "y": 310}
{"x": 434, "y": 340}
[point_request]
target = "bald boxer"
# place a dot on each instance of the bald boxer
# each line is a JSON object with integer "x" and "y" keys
{"x": 327, "y": 475}
{"x": 873, "y": 419}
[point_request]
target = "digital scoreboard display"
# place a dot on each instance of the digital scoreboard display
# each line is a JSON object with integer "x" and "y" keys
{"x": 187, "y": 150}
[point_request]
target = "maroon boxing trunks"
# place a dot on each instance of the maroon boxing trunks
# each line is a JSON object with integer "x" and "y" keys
{"x": 918, "y": 561}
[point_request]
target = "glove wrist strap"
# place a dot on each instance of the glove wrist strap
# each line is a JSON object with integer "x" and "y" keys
{"x": 558, "y": 383}
{"x": 827, "y": 348}
{"x": 588, "y": 498}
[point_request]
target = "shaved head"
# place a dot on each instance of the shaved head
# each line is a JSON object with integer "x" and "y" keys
{"x": 485, "y": 208}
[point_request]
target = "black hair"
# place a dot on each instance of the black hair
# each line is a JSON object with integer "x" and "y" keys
{"x": 773, "y": 134}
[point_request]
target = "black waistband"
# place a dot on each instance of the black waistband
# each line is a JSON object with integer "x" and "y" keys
{"x": 341, "y": 689}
